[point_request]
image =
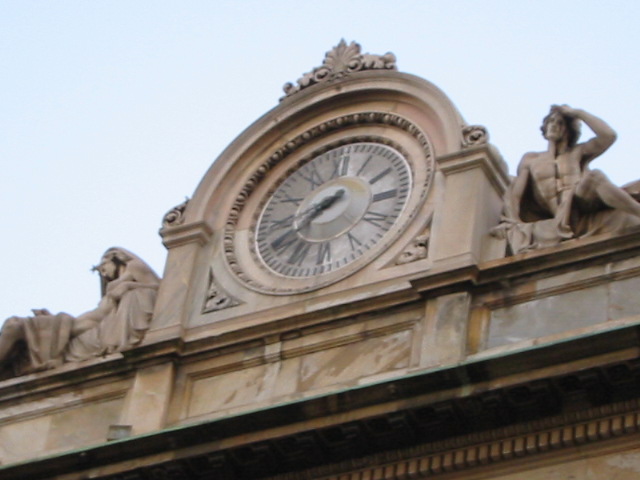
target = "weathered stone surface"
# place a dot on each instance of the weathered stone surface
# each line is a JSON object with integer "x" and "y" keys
{"x": 435, "y": 355}
{"x": 340, "y": 61}
{"x": 556, "y": 197}
{"x": 345, "y": 366}
{"x": 356, "y": 354}
{"x": 569, "y": 301}
{"x": 445, "y": 336}
{"x": 547, "y": 316}
{"x": 22, "y": 440}
{"x": 120, "y": 320}
{"x": 78, "y": 426}
{"x": 616, "y": 466}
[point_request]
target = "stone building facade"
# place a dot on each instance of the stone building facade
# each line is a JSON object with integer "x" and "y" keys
{"x": 339, "y": 302}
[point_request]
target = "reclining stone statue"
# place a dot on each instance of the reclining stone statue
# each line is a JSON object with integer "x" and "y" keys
{"x": 556, "y": 197}
{"x": 120, "y": 320}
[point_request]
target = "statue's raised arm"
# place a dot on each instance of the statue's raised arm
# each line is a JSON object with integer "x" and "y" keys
{"x": 604, "y": 137}
{"x": 555, "y": 196}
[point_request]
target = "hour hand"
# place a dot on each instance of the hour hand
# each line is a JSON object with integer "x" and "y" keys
{"x": 326, "y": 202}
{"x": 317, "y": 208}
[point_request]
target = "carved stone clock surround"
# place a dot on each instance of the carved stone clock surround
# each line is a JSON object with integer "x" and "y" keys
{"x": 343, "y": 127}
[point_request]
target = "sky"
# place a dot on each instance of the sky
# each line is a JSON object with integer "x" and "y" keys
{"x": 112, "y": 111}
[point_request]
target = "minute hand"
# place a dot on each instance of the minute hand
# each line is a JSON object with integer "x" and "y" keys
{"x": 318, "y": 208}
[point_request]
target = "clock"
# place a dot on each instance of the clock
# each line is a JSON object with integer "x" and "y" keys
{"x": 327, "y": 202}
{"x": 332, "y": 210}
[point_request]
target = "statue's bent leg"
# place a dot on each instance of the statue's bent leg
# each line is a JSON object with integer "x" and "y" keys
{"x": 596, "y": 183}
{"x": 563, "y": 215}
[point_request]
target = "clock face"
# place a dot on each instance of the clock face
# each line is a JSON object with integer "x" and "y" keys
{"x": 333, "y": 210}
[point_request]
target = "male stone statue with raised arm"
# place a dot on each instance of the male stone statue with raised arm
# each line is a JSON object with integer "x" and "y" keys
{"x": 555, "y": 196}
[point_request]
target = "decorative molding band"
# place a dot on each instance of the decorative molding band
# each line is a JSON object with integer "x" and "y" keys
{"x": 562, "y": 432}
{"x": 483, "y": 156}
{"x": 318, "y": 131}
{"x": 598, "y": 248}
{"x": 284, "y": 353}
{"x": 24, "y": 410}
{"x": 198, "y": 232}
{"x": 515, "y": 299}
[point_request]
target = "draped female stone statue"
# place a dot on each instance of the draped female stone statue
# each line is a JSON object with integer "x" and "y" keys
{"x": 120, "y": 320}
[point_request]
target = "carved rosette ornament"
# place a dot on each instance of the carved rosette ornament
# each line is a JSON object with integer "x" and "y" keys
{"x": 175, "y": 216}
{"x": 341, "y": 61}
{"x": 473, "y": 135}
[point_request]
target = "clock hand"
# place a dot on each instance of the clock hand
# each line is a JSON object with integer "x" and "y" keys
{"x": 326, "y": 202}
{"x": 317, "y": 208}
{"x": 308, "y": 211}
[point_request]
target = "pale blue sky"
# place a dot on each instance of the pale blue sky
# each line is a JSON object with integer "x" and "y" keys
{"x": 112, "y": 111}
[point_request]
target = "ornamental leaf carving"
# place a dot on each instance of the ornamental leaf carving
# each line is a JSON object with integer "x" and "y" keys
{"x": 343, "y": 57}
{"x": 473, "y": 135}
{"x": 342, "y": 60}
{"x": 175, "y": 216}
{"x": 217, "y": 298}
{"x": 418, "y": 249}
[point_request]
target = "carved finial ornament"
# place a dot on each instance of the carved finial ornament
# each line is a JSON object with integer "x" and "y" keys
{"x": 342, "y": 60}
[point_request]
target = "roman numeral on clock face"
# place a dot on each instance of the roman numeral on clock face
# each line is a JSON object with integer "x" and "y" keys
{"x": 275, "y": 225}
{"x": 324, "y": 253}
{"x": 286, "y": 198}
{"x": 375, "y": 218}
{"x": 331, "y": 211}
{"x": 380, "y": 176}
{"x": 378, "y": 197}
{"x": 284, "y": 241}
{"x": 340, "y": 166}
{"x": 311, "y": 175}
{"x": 354, "y": 242}
{"x": 299, "y": 252}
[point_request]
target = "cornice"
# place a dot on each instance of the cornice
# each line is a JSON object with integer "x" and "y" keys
{"x": 606, "y": 247}
{"x": 458, "y": 417}
{"x": 484, "y": 156}
{"x": 196, "y": 232}
{"x": 579, "y": 429}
